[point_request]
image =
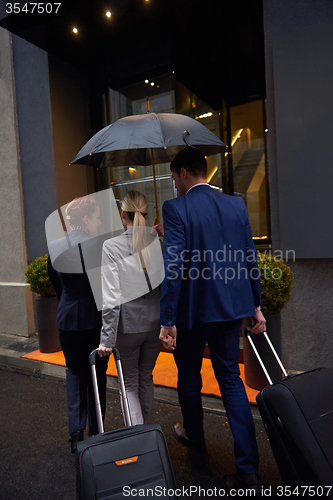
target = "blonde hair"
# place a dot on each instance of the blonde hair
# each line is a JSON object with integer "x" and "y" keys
{"x": 135, "y": 205}
{"x": 79, "y": 208}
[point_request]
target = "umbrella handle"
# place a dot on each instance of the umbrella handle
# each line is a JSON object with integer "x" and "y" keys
{"x": 186, "y": 133}
{"x": 155, "y": 186}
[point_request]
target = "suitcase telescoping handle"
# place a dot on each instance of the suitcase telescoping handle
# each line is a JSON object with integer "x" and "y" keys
{"x": 126, "y": 413}
{"x": 248, "y": 335}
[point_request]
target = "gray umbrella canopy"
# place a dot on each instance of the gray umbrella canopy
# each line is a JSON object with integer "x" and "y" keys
{"x": 130, "y": 140}
{"x": 147, "y": 139}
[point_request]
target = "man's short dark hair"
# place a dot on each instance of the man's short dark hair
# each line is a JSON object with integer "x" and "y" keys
{"x": 192, "y": 160}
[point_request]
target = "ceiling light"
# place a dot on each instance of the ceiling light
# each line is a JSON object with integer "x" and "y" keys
{"x": 108, "y": 14}
{"x": 75, "y": 30}
{"x": 152, "y": 84}
{"x": 146, "y": 81}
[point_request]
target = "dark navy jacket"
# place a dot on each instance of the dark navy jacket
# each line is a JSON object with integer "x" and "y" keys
{"x": 77, "y": 309}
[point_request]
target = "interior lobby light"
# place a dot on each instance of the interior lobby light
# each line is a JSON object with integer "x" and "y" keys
{"x": 132, "y": 169}
{"x": 75, "y": 30}
{"x": 205, "y": 115}
{"x": 237, "y": 136}
{"x": 212, "y": 174}
{"x": 146, "y": 81}
{"x": 108, "y": 14}
{"x": 152, "y": 84}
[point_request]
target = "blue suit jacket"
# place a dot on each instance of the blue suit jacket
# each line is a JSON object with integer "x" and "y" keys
{"x": 211, "y": 271}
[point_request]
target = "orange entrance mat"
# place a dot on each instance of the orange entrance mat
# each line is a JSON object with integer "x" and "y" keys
{"x": 165, "y": 371}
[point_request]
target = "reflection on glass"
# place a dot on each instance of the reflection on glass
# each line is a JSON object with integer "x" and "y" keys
{"x": 248, "y": 155}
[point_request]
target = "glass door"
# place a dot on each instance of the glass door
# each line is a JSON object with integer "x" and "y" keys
{"x": 249, "y": 164}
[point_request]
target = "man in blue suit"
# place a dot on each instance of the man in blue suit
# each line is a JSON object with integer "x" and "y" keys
{"x": 211, "y": 283}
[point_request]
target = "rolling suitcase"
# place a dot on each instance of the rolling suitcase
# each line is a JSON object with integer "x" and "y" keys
{"x": 132, "y": 461}
{"x": 297, "y": 413}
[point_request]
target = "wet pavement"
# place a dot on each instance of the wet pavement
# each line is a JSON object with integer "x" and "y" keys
{"x": 36, "y": 462}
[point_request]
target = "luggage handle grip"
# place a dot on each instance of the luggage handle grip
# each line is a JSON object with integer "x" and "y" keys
{"x": 94, "y": 353}
{"x": 247, "y": 334}
{"x": 126, "y": 412}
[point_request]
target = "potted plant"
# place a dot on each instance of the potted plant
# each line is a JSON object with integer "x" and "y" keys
{"x": 276, "y": 282}
{"x": 46, "y": 305}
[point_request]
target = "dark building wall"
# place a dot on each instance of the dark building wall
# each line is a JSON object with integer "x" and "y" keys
{"x": 69, "y": 92}
{"x": 299, "y": 74}
{"x": 299, "y": 82}
{"x": 35, "y": 141}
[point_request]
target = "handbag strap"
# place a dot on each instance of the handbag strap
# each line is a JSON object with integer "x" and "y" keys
{"x": 82, "y": 261}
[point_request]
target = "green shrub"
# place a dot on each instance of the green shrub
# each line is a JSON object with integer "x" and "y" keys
{"x": 276, "y": 282}
{"x": 38, "y": 278}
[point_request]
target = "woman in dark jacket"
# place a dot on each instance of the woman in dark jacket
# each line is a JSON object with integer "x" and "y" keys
{"x": 78, "y": 319}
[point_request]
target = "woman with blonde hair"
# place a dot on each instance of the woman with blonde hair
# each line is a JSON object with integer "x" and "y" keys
{"x": 131, "y": 304}
{"x": 78, "y": 319}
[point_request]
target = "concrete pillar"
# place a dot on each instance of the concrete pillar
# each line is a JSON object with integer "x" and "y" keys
{"x": 16, "y": 306}
{"x": 299, "y": 80}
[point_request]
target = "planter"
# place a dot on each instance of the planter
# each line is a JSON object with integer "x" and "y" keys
{"x": 46, "y": 310}
{"x": 254, "y": 375}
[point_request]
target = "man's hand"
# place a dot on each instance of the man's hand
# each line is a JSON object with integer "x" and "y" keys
{"x": 158, "y": 227}
{"x": 104, "y": 351}
{"x": 258, "y": 323}
{"x": 168, "y": 336}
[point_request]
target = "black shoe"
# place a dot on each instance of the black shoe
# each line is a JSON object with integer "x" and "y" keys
{"x": 74, "y": 439}
{"x": 241, "y": 481}
{"x": 180, "y": 434}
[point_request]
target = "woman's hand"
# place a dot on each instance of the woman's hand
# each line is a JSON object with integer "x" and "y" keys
{"x": 104, "y": 351}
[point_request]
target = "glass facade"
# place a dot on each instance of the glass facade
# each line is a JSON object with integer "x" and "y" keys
{"x": 248, "y": 166}
{"x": 132, "y": 100}
{"x": 242, "y": 172}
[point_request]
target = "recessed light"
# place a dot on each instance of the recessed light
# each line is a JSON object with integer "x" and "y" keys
{"x": 75, "y": 30}
{"x": 108, "y": 14}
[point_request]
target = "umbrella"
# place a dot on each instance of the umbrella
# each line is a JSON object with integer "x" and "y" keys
{"x": 147, "y": 139}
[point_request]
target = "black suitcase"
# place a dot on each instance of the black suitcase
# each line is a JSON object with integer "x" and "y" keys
{"x": 297, "y": 413}
{"x": 133, "y": 461}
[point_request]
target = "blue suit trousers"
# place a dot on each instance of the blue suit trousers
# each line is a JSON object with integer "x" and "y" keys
{"x": 223, "y": 341}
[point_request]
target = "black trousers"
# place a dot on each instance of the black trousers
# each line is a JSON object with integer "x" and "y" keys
{"x": 76, "y": 346}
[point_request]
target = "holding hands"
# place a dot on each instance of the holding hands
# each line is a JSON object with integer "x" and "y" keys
{"x": 168, "y": 336}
